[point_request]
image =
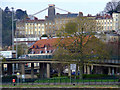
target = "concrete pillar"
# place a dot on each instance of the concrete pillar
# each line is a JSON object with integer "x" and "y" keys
{"x": 17, "y": 66}
{"x": 9, "y": 69}
{"x": 69, "y": 71}
{"x": 88, "y": 70}
{"x": 23, "y": 70}
{"x": 85, "y": 69}
{"x": 109, "y": 71}
{"x": 91, "y": 69}
{"x": 113, "y": 71}
{"x": 32, "y": 70}
{"x": 43, "y": 70}
{"x": 48, "y": 70}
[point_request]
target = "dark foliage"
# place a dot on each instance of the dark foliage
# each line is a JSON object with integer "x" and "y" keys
{"x": 7, "y": 24}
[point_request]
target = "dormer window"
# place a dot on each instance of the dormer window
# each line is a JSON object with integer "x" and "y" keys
{"x": 37, "y": 47}
{"x": 33, "y": 46}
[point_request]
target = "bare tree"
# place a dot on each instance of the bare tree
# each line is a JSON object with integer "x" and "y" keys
{"x": 111, "y": 7}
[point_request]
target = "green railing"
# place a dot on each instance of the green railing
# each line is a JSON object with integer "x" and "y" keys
{"x": 63, "y": 80}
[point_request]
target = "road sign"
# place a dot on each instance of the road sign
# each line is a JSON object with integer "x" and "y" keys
{"x": 72, "y": 66}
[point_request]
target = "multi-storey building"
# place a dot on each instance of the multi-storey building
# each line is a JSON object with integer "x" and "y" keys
{"x": 53, "y": 22}
{"x": 30, "y": 28}
{"x": 106, "y": 22}
{"x": 116, "y": 21}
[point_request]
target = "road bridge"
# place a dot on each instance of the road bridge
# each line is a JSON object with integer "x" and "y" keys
{"x": 108, "y": 66}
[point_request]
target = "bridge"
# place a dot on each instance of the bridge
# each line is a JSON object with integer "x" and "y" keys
{"x": 111, "y": 66}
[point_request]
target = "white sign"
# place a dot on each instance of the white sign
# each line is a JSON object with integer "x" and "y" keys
{"x": 23, "y": 76}
{"x": 6, "y": 54}
{"x": 72, "y": 66}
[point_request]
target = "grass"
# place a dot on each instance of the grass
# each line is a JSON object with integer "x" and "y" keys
{"x": 67, "y": 80}
{"x": 59, "y": 86}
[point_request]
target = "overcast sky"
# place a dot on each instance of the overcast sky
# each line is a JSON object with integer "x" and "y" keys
{"x": 32, "y": 6}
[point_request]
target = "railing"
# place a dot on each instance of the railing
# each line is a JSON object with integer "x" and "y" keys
{"x": 65, "y": 80}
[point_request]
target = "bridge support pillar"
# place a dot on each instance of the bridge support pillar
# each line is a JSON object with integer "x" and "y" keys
{"x": 85, "y": 69}
{"x": 92, "y": 69}
{"x": 113, "y": 71}
{"x": 109, "y": 71}
{"x": 48, "y": 70}
{"x": 9, "y": 69}
{"x": 32, "y": 70}
{"x": 88, "y": 69}
{"x": 69, "y": 72}
{"x": 23, "y": 70}
{"x": 43, "y": 69}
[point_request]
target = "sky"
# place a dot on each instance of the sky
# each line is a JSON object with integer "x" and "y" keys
{"x": 32, "y": 6}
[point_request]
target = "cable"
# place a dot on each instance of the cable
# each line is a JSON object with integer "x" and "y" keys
{"x": 62, "y": 9}
{"x": 40, "y": 11}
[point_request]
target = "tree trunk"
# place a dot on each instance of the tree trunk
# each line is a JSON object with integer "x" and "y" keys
{"x": 81, "y": 71}
{"x": 59, "y": 72}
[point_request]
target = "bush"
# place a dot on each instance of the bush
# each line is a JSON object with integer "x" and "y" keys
{"x": 94, "y": 76}
{"x": 10, "y": 77}
{"x": 44, "y": 35}
{"x": 54, "y": 75}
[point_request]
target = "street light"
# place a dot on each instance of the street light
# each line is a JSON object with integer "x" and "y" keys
{"x": 13, "y": 34}
{"x": 12, "y": 29}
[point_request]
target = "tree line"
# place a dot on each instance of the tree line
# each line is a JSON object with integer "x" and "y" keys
{"x": 7, "y": 24}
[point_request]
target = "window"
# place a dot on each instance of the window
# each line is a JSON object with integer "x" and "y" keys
{"x": 35, "y": 32}
{"x": 111, "y": 27}
{"x": 42, "y": 32}
{"x": 41, "y": 52}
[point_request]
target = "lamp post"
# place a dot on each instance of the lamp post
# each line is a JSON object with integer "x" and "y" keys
{"x": 13, "y": 34}
{"x": 12, "y": 29}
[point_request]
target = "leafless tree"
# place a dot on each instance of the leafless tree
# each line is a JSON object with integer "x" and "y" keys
{"x": 111, "y": 7}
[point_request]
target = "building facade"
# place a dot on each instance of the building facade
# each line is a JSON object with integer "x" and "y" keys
{"x": 30, "y": 28}
{"x": 54, "y": 22}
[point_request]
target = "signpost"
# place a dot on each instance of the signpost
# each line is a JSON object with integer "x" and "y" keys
{"x": 13, "y": 82}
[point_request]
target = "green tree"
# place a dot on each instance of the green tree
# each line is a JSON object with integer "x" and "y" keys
{"x": 20, "y": 14}
{"x": 78, "y": 44}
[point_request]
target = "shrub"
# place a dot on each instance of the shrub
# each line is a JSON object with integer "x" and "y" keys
{"x": 95, "y": 76}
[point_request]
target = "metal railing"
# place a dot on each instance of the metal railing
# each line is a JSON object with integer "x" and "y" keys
{"x": 65, "y": 80}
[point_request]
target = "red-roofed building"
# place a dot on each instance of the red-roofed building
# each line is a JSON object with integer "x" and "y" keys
{"x": 43, "y": 46}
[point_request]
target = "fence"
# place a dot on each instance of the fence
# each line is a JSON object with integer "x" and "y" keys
{"x": 64, "y": 80}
